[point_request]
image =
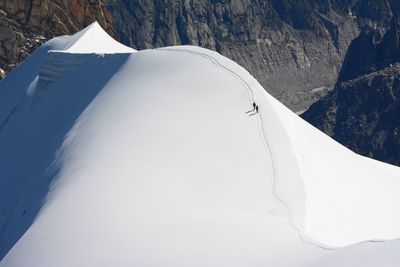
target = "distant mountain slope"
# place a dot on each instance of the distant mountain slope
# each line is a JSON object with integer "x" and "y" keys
{"x": 294, "y": 48}
{"x": 27, "y": 24}
{"x": 363, "y": 111}
{"x": 116, "y": 157}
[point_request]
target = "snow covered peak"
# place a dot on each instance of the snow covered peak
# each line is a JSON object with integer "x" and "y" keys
{"x": 159, "y": 158}
{"x": 93, "y": 39}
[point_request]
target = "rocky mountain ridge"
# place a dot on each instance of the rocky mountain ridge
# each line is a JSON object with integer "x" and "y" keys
{"x": 297, "y": 49}
{"x": 363, "y": 111}
{"x": 294, "y": 48}
{"x": 27, "y": 24}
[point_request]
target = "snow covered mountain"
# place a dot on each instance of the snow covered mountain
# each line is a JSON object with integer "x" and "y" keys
{"x": 116, "y": 157}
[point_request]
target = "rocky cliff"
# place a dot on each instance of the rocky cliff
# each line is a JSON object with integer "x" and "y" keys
{"x": 26, "y": 24}
{"x": 295, "y": 48}
{"x": 363, "y": 111}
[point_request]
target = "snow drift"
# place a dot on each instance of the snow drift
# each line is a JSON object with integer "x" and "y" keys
{"x": 111, "y": 156}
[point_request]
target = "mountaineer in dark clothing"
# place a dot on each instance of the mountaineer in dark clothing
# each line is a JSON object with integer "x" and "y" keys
{"x": 254, "y": 108}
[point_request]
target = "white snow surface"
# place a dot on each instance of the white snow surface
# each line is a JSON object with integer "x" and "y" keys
{"x": 93, "y": 39}
{"x": 113, "y": 157}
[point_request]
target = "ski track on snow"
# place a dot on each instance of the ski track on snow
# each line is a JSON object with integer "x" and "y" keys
{"x": 264, "y": 136}
{"x": 268, "y": 149}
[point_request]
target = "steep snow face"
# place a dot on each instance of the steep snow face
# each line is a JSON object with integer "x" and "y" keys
{"x": 93, "y": 39}
{"x": 150, "y": 158}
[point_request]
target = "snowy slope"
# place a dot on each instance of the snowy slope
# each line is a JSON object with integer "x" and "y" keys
{"x": 112, "y": 157}
{"x": 93, "y": 39}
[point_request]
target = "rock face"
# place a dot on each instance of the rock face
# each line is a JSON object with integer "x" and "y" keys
{"x": 363, "y": 111}
{"x": 26, "y": 24}
{"x": 294, "y": 48}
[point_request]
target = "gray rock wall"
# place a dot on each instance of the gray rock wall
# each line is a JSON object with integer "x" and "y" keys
{"x": 26, "y": 24}
{"x": 363, "y": 111}
{"x": 295, "y": 50}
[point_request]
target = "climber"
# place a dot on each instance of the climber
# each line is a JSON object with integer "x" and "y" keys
{"x": 255, "y": 111}
{"x": 254, "y": 108}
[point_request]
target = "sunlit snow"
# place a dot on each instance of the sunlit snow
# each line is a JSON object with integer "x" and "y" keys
{"x": 116, "y": 157}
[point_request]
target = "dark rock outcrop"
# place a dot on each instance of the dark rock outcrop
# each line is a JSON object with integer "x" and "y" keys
{"x": 290, "y": 51}
{"x": 295, "y": 48}
{"x": 26, "y": 24}
{"x": 363, "y": 111}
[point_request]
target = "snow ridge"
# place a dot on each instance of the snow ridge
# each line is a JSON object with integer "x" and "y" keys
{"x": 204, "y": 186}
{"x": 94, "y": 40}
{"x": 303, "y": 236}
{"x": 295, "y": 222}
{"x": 56, "y": 65}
